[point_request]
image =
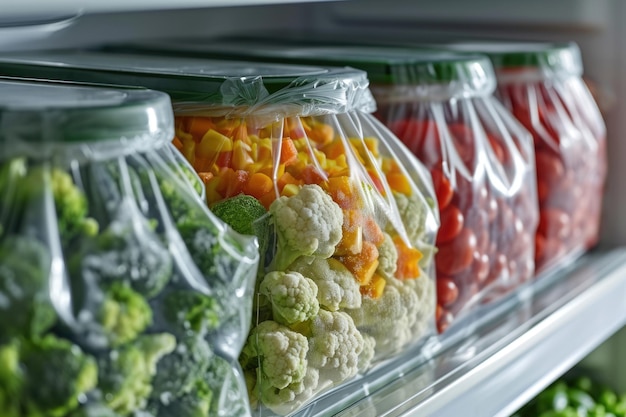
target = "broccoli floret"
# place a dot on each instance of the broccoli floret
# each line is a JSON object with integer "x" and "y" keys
{"x": 203, "y": 243}
{"x": 121, "y": 254}
{"x": 229, "y": 391}
{"x": 124, "y": 314}
{"x": 93, "y": 410}
{"x": 197, "y": 403}
{"x": 186, "y": 310}
{"x": 71, "y": 207}
{"x": 246, "y": 215}
{"x": 11, "y": 380}
{"x": 25, "y": 309}
{"x": 56, "y": 375}
{"x": 11, "y": 173}
{"x": 126, "y": 374}
{"x": 178, "y": 372}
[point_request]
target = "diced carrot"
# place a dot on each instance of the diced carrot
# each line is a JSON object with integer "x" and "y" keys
{"x": 288, "y": 152}
{"x": 197, "y": 126}
{"x": 399, "y": 183}
{"x": 177, "y": 143}
{"x": 258, "y": 185}
{"x": 334, "y": 149}
{"x": 352, "y": 234}
{"x": 205, "y": 176}
{"x": 364, "y": 264}
{"x": 408, "y": 260}
{"x": 340, "y": 189}
{"x": 232, "y": 182}
{"x": 321, "y": 133}
{"x": 267, "y": 200}
{"x": 286, "y": 179}
{"x": 312, "y": 175}
{"x": 375, "y": 288}
{"x": 372, "y": 232}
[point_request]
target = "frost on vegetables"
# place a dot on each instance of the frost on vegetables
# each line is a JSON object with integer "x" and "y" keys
{"x": 116, "y": 292}
{"x": 346, "y": 240}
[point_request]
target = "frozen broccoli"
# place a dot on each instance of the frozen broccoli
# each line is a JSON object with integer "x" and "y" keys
{"x": 25, "y": 309}
{"x": 56, "y": 374}
{"x": 11, "y": 173}
{"x": 229, "y": 391}
{"x": 93, "y": 410}
{"x": 197, "y": 403}
{"x": 11, "y": 380}
{"x": 126, "y": 374}
{"x": 177, "y": 372}
{"x": 126, "y": 252}
{"x": 187, "y": 310}
{"x": 124, "y": 314}
{"x": 246, "y": 215}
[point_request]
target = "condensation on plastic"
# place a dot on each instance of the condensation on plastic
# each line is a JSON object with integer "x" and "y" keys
{"x": 107, "y": 248}
{"x": 482, "y": 163}
{"x": 376, "y": 190}
{"x": 541, "y": 84}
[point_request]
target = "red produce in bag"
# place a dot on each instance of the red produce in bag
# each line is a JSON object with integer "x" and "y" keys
{"x": 541, "y": 84}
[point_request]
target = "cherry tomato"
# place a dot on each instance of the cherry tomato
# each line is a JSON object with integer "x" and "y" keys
{"x": 444, "y": 321}
{"x": 549, "y": 167}
{"x": 456, "y": 255}
{"x": 451, "y": 224}
{"x": 554, "y": 223}
{"x": 492, "y": 209}
{"x": 447, "y": 291}
{"x": 499, "y": 271}
{"x": 480, "y": 267}
{"x": 497, "y": 147}
{"x": 443, "y": 188}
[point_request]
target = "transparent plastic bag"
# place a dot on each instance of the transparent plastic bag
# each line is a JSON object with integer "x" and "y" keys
{"x": 121, "y": 293}
{"x": 299, "y": 137}
{"x": 350, "y": 227}
{"x": 482, "y": 165}
{"x": 542, "y": 85}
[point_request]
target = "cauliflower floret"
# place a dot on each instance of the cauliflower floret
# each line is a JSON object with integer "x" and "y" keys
{"x": 368, "y": 352}
{"x": 307, "y": 224}
{"x": 336, "y": 285}
{"x": 284, "y": 401}
{"x": 293, "y": 297}
{"x": 387, "y": 258}
{"x": 407, "y": 304}
{"x": 413, "y": 213}
{"x": 334, "y": 346}
{"x": 282, "y": 354}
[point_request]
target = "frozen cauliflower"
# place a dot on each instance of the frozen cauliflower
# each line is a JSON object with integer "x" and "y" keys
{"x": 387, "y": 258}
{"x": 307, "y": 224}
{"x": 293, "y": 297}
{"x": 337, "y": 288}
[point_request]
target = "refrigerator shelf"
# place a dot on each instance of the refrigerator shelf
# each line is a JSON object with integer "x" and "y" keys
{"x": 518, "y": 347}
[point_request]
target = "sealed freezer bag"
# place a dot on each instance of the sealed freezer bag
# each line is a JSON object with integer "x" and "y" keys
{"x": 441, "y": 106}
{"x": 541, "y": 84}
{"x": 349, "y": 223}
{"x": 481, "y": 160}
{"x": 120, "y": 293}
{"x": 345, "y": 216}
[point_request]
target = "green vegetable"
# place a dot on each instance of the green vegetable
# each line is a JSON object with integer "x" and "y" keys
{"x": 124, "y": 314}
{"x": 197, "y": 403}
{"x": 126, "y": 374}
{"x": 56, "y": 374}
{"x": 192, "y": 311}
{"x": 246, "y": 215}
{"x": 178, "y": 372}
{"x": 25, "y": 308}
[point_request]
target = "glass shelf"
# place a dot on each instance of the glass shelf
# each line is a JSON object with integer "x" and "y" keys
{"x": 516, "y": 348}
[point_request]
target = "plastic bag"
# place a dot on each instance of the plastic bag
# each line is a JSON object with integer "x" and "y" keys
{"x": 343, "y": 191}
{"x": 120, "y": 292}
{"x": 541, "y": 84}
{"x": 350, "y": 228}
{"x": 482, "y": 165}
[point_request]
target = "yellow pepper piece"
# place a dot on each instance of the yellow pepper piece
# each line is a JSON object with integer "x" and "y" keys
{"x": 213, "y": 142}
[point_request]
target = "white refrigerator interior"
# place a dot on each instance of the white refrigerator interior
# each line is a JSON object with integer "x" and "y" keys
{"x": 519, "y": 348}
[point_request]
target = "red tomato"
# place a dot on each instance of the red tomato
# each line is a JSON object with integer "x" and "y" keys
{"x": 224, "y": 158}
{"x": 451, "y": 224}
{"x": 456, "y": 255}
{"x": 492, "y": 209}
{"x": 549, "y": 167}
{"x": 499, "y": 271}
{"x": 497, "y": 147}
{"x": 443, "y": 188}
{"x": 447, "y": 291}
{"x": 480, "y": 267}
{"x": 554, "y": 223}
{"x": 444, "y": 321}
